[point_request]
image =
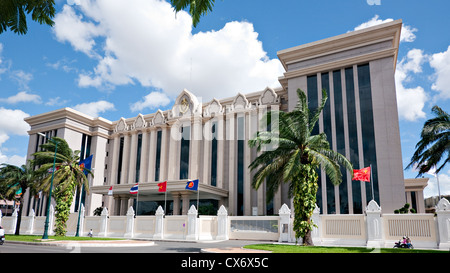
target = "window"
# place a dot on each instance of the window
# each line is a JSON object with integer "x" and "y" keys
{"x": 138, "y": 157}
{"x": 367, "y": 127}
{"x": 158, "y": 154}
{"x": 240, "y": 165}
{"x": 214, "y": 154}
{"x": 184, "y": 152}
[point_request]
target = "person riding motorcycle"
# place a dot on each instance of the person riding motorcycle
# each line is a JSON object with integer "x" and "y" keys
{"x": 2, "y": 235}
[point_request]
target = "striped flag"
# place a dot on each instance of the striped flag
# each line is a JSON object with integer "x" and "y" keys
{"x": 110, "y": 191}
{"x": 134, "y": 189}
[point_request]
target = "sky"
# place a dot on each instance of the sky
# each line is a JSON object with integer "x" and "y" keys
{"x": 119, "y": 58}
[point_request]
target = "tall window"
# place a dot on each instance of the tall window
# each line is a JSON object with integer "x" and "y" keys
{"x": 240, "y": 165}
{"x": 214, "y": 154}
{"x": 353, "y": 137}
{"x": 184, "y": 152}
{"x": 158, "y": 155}
{"x": 340, "y": 137}
{"x": 138, "y": 157}
{"x": 313, "y": 104}
{"x": 331, "y": 206}
{"x": 119, "y": 167}
{"x": 367, "y": 127}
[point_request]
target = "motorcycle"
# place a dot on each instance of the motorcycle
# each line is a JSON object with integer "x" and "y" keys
{"x": 399, "y": 244}
{"x": 2, "y": 239}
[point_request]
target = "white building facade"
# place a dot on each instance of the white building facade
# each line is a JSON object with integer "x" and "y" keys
{"x": 208, "y": 141}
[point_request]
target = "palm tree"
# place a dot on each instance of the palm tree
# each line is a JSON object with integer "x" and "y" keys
{"x": 15, "y": 181}
{"x": 196, "y": 8}
{"x": 296, "y": 160}
{"x": 434, "y": 144}
{"x": 13, "y": 14}
{"x": 68, "y": 176}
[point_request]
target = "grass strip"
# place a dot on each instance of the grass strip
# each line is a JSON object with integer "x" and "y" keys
{"x": 279, "y": 248}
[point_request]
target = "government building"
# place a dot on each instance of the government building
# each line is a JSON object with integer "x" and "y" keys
{"x": 208, "y": 141}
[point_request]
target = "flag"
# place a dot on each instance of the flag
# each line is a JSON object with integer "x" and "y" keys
{"x": 110, "y": 191}
{"x": 86, "y": 164}
{"x": 192, "y": 185}
{"x": 362, "y": 175}
{"x": 162, "y": 186}
{"x": 134, "y": 189}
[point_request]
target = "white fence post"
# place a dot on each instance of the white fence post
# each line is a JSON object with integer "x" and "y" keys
{"x": 159, "y": 225}
{"x": 30, "y": 222}
{"x": 222, "y": 224}
{"x": 374, "y": 226}
{"x": 285, "y": 222}
{"x": 14, "y": 222}
{"x": 130, "y": 223}
{"x": 103, "y": 223}
{"x": 192, "y": 224}
{"x": 443, "y": 222}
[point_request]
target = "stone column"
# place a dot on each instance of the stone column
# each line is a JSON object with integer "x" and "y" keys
{"x": 232, "y": 159}
{"x": 174, "y": 150}
{"x": 194, "y": 150}
{"x": 132, "y": 161}
{"x": 144, "y": 157}
{"x": 125, "y": 160}
{"x": 176, "y": 203}
{"x": 114, "y": 160}
{"x": 186, "y": 199}
{"x": 165, "y": 139}
{"x": 152, "y": 156}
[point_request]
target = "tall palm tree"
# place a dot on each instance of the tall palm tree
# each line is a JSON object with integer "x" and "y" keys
{"x": 13, "y": 14}
{"x": 434, "y": 144}
{"x": 196, "y": 8}
{"x": 15, "y": 181}
{"x": 68, "y": 176}
{"x": 296, "y": 161}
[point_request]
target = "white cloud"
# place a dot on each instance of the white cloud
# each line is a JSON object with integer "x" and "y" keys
{"x": 152, "y": 46}
{"x": 432, "y": 189}
{"x": 22, "y": 96}
{"x": 12, "y": 123}
{"x": 410, "y": 101}
{"x": 152, "y": 100}
{"x": 441, "y": 64}
{"x": 407, "y": 33}
{"x": 94, "y": 109}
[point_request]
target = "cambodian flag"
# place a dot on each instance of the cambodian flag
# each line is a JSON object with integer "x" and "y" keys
{"x": 134, "y": 189}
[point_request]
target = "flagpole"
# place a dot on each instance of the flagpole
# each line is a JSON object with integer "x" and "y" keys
{"x": 371, "y": 182}
{"x": 165, "y": 202}
{"x": 137, "y": 201}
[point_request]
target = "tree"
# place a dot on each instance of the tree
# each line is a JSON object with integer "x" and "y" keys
{"x": 69, "y": 175}
{"x": 296, "y": 160}
{"x": 196, "y": 8}
{"x": 434, "y": 144}
{"x": 13, "y": 14}
{"x": 15, "y": 181}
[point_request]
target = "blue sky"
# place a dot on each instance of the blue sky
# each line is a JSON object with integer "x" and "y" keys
{"x": 117, "y": 58}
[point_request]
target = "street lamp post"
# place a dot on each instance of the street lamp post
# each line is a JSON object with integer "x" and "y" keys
{"x": 45, "y": 235}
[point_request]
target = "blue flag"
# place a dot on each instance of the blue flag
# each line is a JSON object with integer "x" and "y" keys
{"x": 192, "y": 185}
{"x": 86, "y": 164}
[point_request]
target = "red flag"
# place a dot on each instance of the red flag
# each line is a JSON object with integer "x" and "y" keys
{"x": 362, "y": 175}
{"x": 162, "y": 186}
